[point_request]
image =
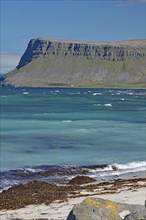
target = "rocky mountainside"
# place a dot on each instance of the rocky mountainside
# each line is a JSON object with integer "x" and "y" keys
{"x": 49, "y": 62}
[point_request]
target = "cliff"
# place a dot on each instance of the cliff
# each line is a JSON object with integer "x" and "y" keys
{"x": 58, "y": 62}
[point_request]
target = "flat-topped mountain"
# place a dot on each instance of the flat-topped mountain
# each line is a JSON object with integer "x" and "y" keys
{"x": 49, "y": 62}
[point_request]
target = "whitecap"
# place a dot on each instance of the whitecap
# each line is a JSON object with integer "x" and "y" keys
{"x": 131, "y": 165}
{"x": 97, "y": 104}
{"x": 119, "y": 169}
{"x": 67, "y": 121}
{"x": 97, "y": 93}
{"x": 32, "y": 170}
{"x": 25, "y": 93}
{"x": 108, "y": 104}
{"x": 83, "y": 130}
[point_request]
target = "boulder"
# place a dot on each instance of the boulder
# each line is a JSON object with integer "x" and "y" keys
{"x": 137, "y": 215}
{"x": 100, "y": 209}
{"x": 78, "y": 180}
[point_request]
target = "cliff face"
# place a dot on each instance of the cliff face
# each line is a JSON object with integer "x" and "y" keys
{"x": 47, "y": 62}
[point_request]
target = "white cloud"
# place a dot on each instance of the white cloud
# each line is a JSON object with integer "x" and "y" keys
{"x": 128, "y": 3}
{"x": 8, "y": 61}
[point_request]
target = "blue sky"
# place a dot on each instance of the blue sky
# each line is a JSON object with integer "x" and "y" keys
{"x": 90, "y": 20}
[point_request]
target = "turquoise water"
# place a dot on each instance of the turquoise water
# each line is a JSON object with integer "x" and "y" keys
{"x": 60, "y": 126}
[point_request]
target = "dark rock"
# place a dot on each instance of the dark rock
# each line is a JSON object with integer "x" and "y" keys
{"x": 114, "y": 167}
{"x": 94, "y": 167}
{"x": 16, "y": 218}
{"x": 78, "y": 180}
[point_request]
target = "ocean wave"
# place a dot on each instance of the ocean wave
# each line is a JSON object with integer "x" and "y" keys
{"x": 131, "y": 165}
{"x": 108, "y": 104}
{"x": 141, "y": 165}
{"x": 117, "y": 169}
{"x": 67, "y": 121}
{"x": 61, "y": 173}
{"x": 25, "y": 93}
{"x": 97, "y": 93}
{"x": 97, "y": 104}
{"x": 30, "y": 170}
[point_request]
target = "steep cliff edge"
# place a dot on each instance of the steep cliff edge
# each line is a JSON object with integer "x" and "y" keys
{"x": 52, "y": 62}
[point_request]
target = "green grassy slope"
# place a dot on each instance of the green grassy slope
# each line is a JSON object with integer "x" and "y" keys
{"x": 81, "y": 71}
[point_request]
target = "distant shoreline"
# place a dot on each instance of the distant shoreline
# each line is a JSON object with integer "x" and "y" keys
{"x": 75, "y": 86}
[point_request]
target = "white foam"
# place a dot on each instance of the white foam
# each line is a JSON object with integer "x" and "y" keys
{"x": 67, "y": 121}
{"x": 130, "y": 93}
{"x": 83, "y": 129}
{"x": 132, "y": 165}
{"x": 5, "y": 188}
{"x": 119, "y": 169}
{"x": 25, "y": 170}
{"x": 97, "y": 104}
{"x": 25, "y": 93}
{"x": 97, "y": 93}
{"x": 108, "y": 105}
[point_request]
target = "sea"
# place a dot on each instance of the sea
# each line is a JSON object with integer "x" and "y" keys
{"x": 54, "y": 134}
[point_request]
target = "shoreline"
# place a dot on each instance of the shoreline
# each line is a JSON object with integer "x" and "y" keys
{"x": 131, "y": 191}
{"x": 78, "y": 86}
{"x": 142, "y": 87}
{"x": 61, "y": 174}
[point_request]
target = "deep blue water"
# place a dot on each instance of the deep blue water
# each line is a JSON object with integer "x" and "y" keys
{"x": 60, "y": 126}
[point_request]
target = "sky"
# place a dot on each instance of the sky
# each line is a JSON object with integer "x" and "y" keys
{"x": 87, "y": 20}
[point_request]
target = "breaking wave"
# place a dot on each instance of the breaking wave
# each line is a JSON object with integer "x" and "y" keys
{"x": 63, "y": 173}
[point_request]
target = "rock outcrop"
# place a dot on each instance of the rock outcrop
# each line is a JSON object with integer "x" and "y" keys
{"x": 47, "y": 62}
{"x": 79, "y": 180}
{"x": 106, "y": 51}
{"x": 100, "y": 209}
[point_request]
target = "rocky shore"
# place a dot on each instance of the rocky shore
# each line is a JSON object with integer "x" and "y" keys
{"x": 20, "y": 198}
